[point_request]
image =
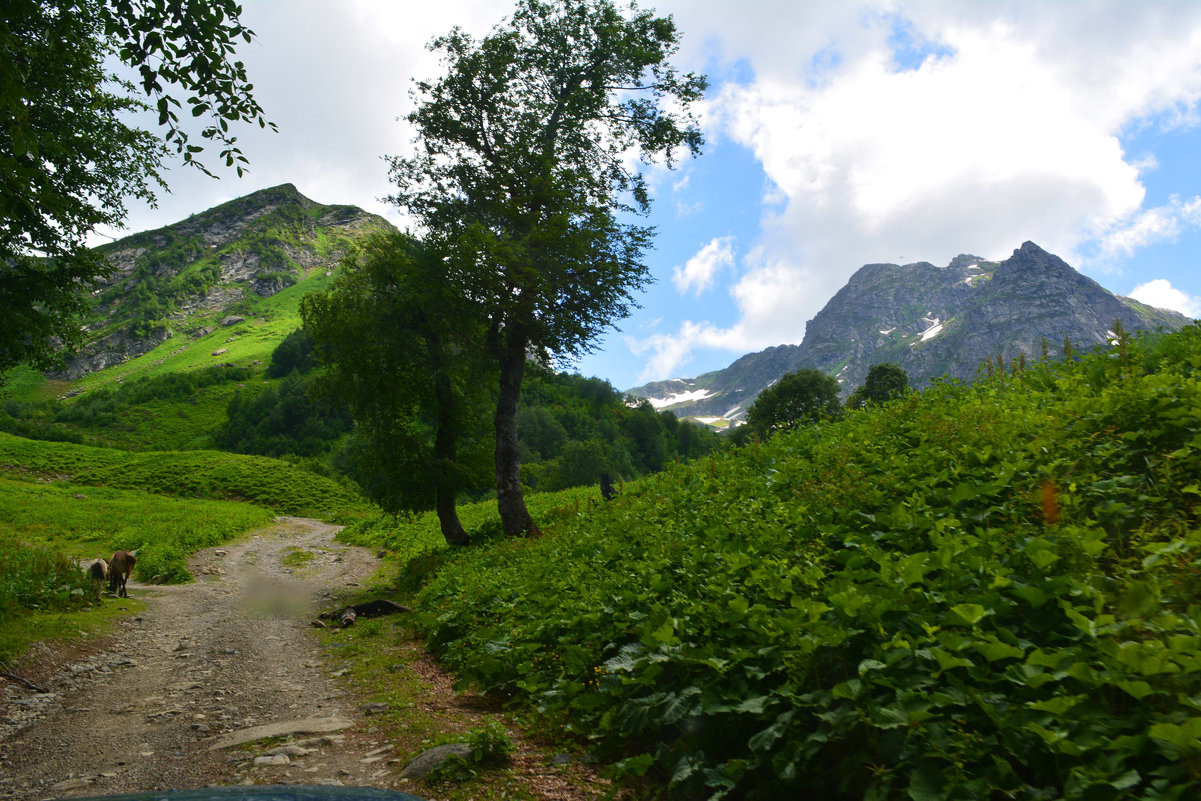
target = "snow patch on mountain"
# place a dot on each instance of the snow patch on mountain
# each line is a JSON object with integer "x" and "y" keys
{"x": 680, "y": 397}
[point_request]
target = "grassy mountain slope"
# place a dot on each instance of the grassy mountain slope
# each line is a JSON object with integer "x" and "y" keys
{"x": 179, "y": 283}
{"x": 205, "y": 474}
{"x": 976, "y": 592}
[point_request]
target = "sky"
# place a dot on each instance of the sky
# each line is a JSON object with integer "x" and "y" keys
{"x": 837, "y": 134}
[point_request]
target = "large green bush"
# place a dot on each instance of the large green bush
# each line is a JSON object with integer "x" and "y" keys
{"x": 975, "y": 592}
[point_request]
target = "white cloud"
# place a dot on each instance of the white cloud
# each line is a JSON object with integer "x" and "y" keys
{"x": 668, "y": 352}
{"x": 1160, "y": 224}
{"x": 1161, "y": 294}
{"x": 1010, "y": 129}
{"x": 759, "y": 295}
{"x": 697, "y": 274}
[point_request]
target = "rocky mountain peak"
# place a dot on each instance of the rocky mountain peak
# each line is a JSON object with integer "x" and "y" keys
{"x": 933, "y": 322}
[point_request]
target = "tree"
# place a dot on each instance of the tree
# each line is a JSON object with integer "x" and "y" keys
{"x": 799, "y": 398}
{"x": 884, "y": 382}
{"x": 402, "y": 350}
{"x": 522, "y": 170}
{"x": 69, "y": 157}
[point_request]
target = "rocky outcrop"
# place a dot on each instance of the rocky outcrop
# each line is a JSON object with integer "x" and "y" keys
{"x": 117, "y": 347}
{"x": 932, "y": 321}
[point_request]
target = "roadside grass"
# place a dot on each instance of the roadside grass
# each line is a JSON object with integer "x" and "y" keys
{"x": 298, "y": 557}
{"x": 412, "y": 537}
{"x": 87, "y": 523}
{"x": 386, "y": 662}
{"x": 19, "y": 632}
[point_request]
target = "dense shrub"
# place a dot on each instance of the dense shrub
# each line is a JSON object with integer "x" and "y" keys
{"x": 283, "y": 420}
{"x": 36, "y": 577}
{"x": 975, "y": 592}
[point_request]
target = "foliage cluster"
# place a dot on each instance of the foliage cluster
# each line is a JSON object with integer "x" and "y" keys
{"x": 800, "y": 398}
{"x": 283, "y": 419}
{"x": 117, "y": 413}
{"x": 36, "y": 577}
{"x": 884, "y": 382}
{"x": 571, "y": 429}
{"x": 984, "y": 591}
{"x": 293, "y": 355}
{"x": 265, "y": 482}
{"x": 91, "y": 522}
{"x": 491, "y": 746}
{"x": 402, "y": 350}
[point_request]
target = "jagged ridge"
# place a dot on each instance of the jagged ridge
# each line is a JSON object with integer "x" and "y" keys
{"x": 932, "y": 321}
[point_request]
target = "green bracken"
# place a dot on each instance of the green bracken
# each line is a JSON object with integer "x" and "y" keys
{"x": 983, "y": 591}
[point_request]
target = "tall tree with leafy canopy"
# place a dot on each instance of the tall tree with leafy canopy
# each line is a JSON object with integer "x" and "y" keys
{"x": 884, "y": 382}
{"x": 69, "y": 154}
{"x": 523, "y": 176}
{"x": 402, "y": 348}
{"x": 799, "y": 398}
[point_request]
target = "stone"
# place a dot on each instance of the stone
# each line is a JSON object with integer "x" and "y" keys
{"x": 219, "y": 351}
{"x": 318, "y": 725}
{"x": 375, "y": 708}
{"x": 272, "y": 759}
{"x": 73, "y": 784}
{"x": 232, "y": 319}
{"x": 419, "y": 766}
{"x": 383, "y": 749}
{"x": 290, "y": 750}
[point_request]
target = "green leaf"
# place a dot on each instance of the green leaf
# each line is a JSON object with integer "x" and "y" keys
{"x": 948, "y": 661}
{"x": 971, "y": 613}
{"x": 1041, "y": 552}
{"x": 926, "y": 784}
{"x": 1185, "y": 736}
{"x": 1135, "y": 687}
{"x": 849, "y": 601}
{"x": 636, "y": 766}
{"x": 754, "y": 705}
{"x": 993, "y": 650}
{"x": 1057, "y": 705}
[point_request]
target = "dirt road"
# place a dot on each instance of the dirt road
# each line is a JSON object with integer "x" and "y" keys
{"x": 169, "y": 700}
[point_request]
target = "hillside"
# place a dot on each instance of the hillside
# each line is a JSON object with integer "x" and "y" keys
{"x": 985, "y": 591}
{"x": 195, "y": 287}
{"x": 932, "y": 321}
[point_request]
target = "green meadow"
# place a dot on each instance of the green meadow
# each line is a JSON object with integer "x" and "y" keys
{"x": 270, "y": 483}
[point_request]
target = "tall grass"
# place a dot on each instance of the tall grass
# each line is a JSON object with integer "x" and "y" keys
{"x": 91, "y": 522}
{"x": 35, "y": 577}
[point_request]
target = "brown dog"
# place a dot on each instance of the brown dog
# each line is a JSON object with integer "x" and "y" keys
{"x": 119, "y": 568}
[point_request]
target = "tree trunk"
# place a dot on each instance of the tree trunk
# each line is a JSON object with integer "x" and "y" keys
{"x": 448, "y": 517}
{"x": 509, "y": 500}
{"x": 444, "y": 463}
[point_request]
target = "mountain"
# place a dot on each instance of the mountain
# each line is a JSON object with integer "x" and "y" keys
{"x": 932, "y": 321}
{"x": 189, "y": 277}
